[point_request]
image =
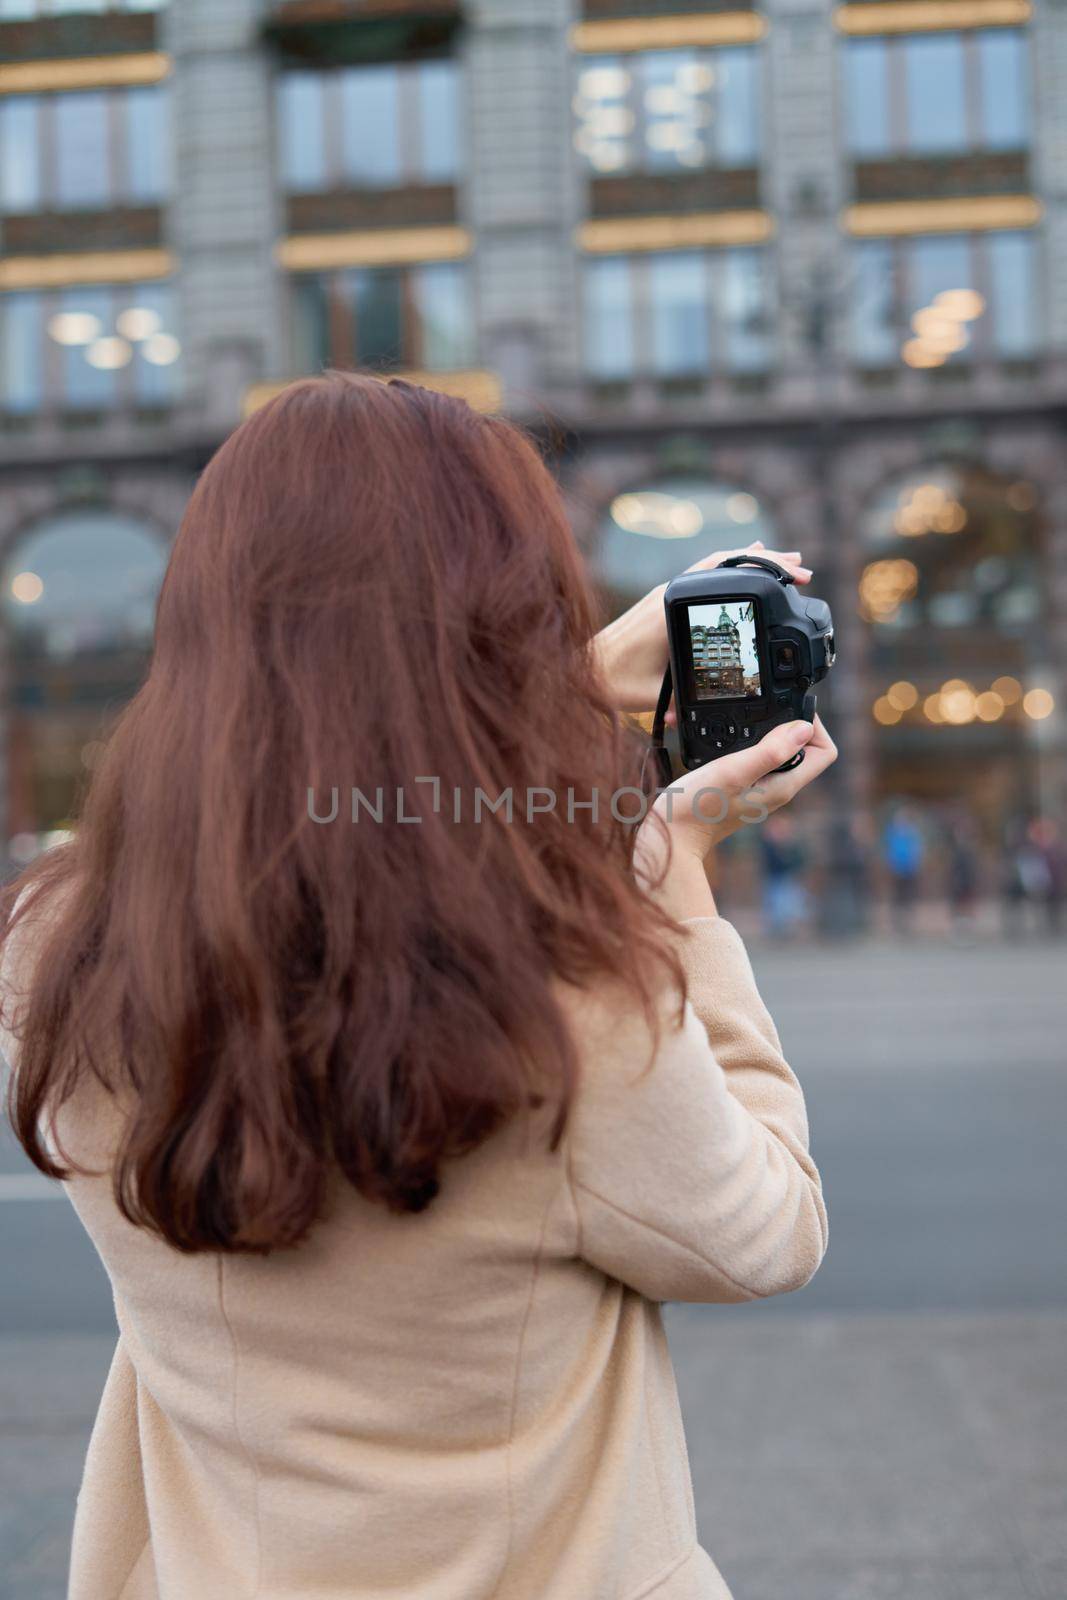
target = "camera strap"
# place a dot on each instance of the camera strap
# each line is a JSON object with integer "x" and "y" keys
{"x": 660, "y": 753}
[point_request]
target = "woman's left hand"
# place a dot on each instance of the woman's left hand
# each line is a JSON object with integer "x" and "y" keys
{"x": 631, "y": 652}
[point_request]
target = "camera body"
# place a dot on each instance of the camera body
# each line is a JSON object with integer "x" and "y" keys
{"x": 746, "y": 648}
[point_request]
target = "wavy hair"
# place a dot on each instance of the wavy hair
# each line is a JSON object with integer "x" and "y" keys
{"x": 372, "y": 585}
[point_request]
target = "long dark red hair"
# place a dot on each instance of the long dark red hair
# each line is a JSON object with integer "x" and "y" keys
{"x": 372, "y": 584}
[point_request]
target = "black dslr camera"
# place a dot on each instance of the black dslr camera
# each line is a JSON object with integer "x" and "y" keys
{"x": 745, "y": 649}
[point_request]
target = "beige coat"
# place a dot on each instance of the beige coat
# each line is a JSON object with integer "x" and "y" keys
{"x": 476, "y": 1403}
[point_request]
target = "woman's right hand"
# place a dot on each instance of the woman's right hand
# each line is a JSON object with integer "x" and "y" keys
{"x": 702, "y": 808}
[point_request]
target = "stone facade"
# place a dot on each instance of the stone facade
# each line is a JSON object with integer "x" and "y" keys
{"x": 813, "y": 443}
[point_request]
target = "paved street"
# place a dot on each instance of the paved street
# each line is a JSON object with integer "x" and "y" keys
{"x": 898, "y": 1429}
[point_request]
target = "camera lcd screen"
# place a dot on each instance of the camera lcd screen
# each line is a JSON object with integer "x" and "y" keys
{"x": 723, "y": 650}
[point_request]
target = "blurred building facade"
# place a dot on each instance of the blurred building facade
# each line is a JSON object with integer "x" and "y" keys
{"x": 796, "y": 272}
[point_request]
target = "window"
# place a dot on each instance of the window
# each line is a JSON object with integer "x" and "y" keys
{"x": 376, "y": 309}
{"x": 83, "y": 175}
{"x": 21, "y": 352}
{"x": 147, "y": 145}
{"x": 874, "y": 336}
{"x": 372, "y": 127}
{"x": 438, "y": 122}
{"x": 20, "y": 148}
{"x": 645, "y": 535}
{"x": 78, "y": 597}
{"x": 744, "y": 297}
{"x": 440, "y": 301}
{"x": 23, "y": 9}
{"x": 84, "y": 151}
{"x": 943, "y": 298}
{"x": 677, "y": 314}
{"x": 88, "y": 349}
{"x": 385, "y": 317}
{"x": 867, "y": 97}
{"x": 936, "y": 94}
{"x": 303, "y": 145}
{"x": 1003, "y": 68}
{"x": 89, "y": 383}
{"x": 952, "y": 593}
{"x": 609, "y": 318}
{"x": 1012, "y": 301}
{"x": 668, "y": 110}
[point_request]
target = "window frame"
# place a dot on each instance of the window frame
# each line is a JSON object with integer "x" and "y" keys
{"x": 898, "y": 134}
{"x": 717, "y": 362}
{"x": 634, "y": 104}
{"x": 983, "y": 345}
{"x": 119, "y": 189}
{"x": 336, "y": 170}
{"x": 341, "y": 323}
{"x": 128, "y": 392}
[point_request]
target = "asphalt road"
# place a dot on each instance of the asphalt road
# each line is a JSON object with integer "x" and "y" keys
{"x": 936, "y": 1080}
{"x": 897, "y": 1431}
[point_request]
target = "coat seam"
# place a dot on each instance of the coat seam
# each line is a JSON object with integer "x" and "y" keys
{"x": 535, "y": 1273}
{"x": 664, "y": 1521}
{"x": 668, "y": 1572}
{"x": 136, "y": 1563}
{"x": 242, "y": 1446}
{"x": 568, "y": 1167}
{"x": 661, "y": 1233}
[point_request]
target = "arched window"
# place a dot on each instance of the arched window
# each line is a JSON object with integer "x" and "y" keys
{"x": 79, "y": 593}
{"x": 655, "y": 530}
{"x": 961, "y": 681}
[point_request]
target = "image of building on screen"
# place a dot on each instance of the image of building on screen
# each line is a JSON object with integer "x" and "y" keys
{"x": 725, "y": 665}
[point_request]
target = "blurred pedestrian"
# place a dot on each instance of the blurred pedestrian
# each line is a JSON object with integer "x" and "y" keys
{"x": 903, "y": 851}
{"x": 846, "y": 886}
{"x": 963, "y": 868}
{"x": 1028, "y": 886}
{"x": 785, "y": 897}
{"x": 1046, "y": 845}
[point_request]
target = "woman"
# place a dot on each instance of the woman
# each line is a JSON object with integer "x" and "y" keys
{"x": 393, "y": 1132}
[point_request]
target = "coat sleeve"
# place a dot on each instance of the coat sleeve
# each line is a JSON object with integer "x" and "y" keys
{"x": 691, "y": 1176}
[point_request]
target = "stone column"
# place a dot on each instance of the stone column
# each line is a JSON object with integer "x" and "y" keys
{"x": 224, "y": 216}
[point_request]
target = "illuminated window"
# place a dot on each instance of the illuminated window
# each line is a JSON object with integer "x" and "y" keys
{"x": 951, "y": 590}
{"x": 677, "y": 314}
{"x": 78, "y": 596}
{"x": 95, "y": 348}
{"x": 944, "y": 298}
{"x": 84, "y": 151}
{"x": 936, "y": 94}
{"x": 375, "y": 127}
{"x": 668, "y": 110}
{"x": 384, "y": 317}
{"x": 653, "y": 530}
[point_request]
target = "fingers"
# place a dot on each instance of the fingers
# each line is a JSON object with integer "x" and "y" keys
{"x": 789, "y": 559}
{"x": 820, "y": 752}
{"x": 744, "y": 769}
{"x": 780, "y": 746}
